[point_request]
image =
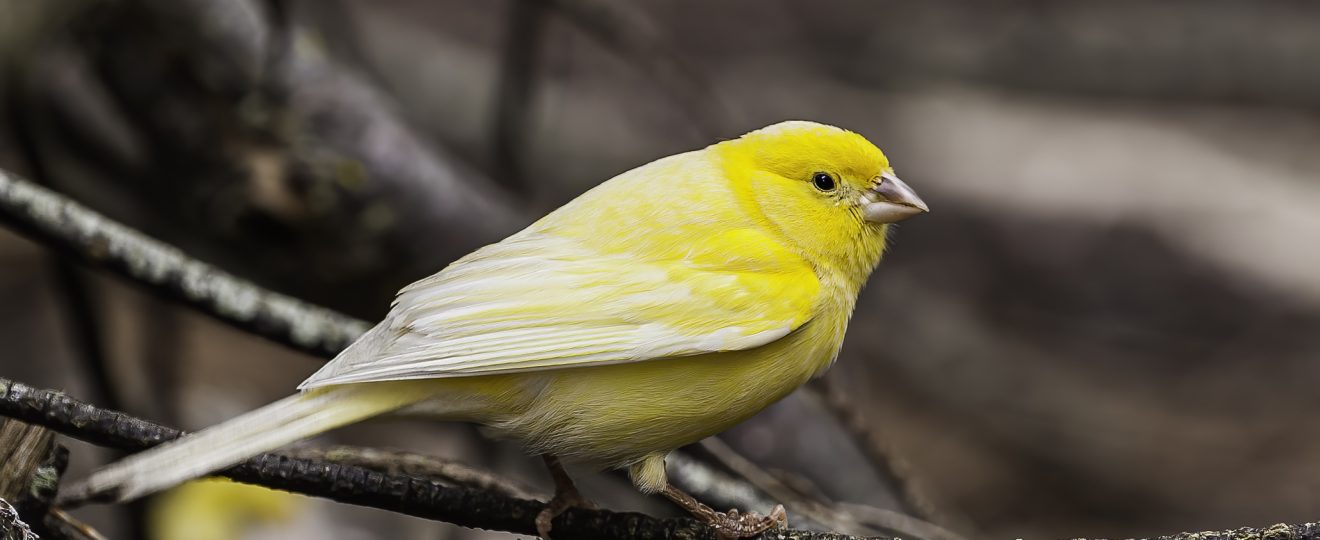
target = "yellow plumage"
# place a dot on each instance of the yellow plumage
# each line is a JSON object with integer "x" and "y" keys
{"x": 658, "y": 308}
{"x": 217, "y": 509}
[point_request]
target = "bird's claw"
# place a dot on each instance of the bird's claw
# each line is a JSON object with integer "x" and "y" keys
{"x": 558, "y": 505}
{"x": 733, "y": 524}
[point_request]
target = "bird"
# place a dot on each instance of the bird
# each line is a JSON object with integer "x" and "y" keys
{"x": 658, "y": 308}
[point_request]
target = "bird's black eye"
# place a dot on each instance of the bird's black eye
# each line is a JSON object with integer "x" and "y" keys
{"x": 823, "y": 181}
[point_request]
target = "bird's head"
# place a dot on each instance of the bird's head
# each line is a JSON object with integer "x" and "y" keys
{"x": 829, "y": 190}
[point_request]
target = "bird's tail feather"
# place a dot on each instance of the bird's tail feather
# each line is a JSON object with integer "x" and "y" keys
{"x": 270, "y": 427}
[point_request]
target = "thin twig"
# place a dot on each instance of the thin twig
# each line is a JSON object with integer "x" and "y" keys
{"x": 715, "y": 487}
{"x": 62, "y": 525}
{"x": 834, "y": 517}
{"x": 351, "y": 484}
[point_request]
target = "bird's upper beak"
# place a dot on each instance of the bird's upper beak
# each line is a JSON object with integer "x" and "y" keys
{"x": 891, "y": 200}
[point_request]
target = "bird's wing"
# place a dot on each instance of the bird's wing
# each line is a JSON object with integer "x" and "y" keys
{"x": 539, "y": 302}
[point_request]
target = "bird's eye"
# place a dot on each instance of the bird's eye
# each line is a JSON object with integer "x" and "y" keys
{"x": 823, "y": 181}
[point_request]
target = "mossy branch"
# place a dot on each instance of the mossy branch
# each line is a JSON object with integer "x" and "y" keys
{"x": 57, "y": 222}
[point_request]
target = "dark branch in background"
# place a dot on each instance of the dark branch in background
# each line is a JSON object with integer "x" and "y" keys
{"x": 283, "y": 148}
{"x": 76, "y": 230}
{"x": 623, "y": 28}
{"x": 351, "y": 484}
{"x": 523, "y": 36}
{"x": 432, "y": 196}
{"x": 82, "y": 317}
{"x": 339, "y": 19}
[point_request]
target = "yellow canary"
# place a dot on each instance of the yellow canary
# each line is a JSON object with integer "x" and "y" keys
{"x": 661, "y": 307}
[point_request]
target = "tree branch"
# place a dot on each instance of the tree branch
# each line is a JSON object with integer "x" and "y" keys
{"x": 64, "y": 526}
{"x": 393, "y": 462}
{"x": 352, "y": 484}
{"x": 300, "y": 172}
{"x": 58, "y": 222}
{"x": 424, "y": 498}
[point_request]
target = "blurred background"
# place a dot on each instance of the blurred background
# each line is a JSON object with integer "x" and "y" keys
{"x": 1109, "y": 324}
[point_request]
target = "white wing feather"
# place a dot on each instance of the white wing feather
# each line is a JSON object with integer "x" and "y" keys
{"x": 537, "y": 302}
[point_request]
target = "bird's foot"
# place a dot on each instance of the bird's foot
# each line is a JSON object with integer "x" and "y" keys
{"x": 731, "y": 524}
{"x": 562, "y": 501}
{"x": 734, "y": 524}
{"x": 566, "y": 496}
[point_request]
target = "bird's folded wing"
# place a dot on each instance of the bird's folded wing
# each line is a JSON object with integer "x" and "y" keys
{"x": 538, "y": 302}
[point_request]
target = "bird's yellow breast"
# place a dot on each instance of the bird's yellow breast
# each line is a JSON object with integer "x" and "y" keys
{"x": 615, "y": 415}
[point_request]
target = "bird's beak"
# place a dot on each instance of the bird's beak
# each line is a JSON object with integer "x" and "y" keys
{"x": 891, "y": 201}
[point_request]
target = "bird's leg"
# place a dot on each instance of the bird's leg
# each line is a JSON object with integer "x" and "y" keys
{"x": 648, "y": 474}
{"x": 731, "y": 524}
{"x": 566, "y": 496}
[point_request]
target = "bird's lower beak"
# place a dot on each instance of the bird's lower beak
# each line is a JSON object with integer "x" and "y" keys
{"x": 891, "y": 201}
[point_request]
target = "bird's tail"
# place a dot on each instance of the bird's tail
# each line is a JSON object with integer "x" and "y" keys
{"x": 270, "y": 427}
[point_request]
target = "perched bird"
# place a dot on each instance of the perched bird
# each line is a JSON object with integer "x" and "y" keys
{"x": 659, "y": 308}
